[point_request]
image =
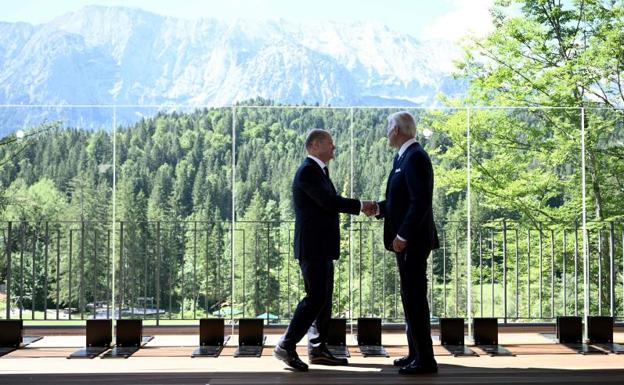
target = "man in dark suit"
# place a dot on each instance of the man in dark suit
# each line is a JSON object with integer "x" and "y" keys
{"x": 409, "y": 231}
{"x": 317, "y": 245}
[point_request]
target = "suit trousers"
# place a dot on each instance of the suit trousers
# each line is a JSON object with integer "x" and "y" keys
{"x": 314, "y": 311}
{"x": 412, "y": 268}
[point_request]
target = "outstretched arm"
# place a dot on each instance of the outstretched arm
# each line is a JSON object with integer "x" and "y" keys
{"x": 312, "y": 186}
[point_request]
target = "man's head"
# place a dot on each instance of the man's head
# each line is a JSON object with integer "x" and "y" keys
{"x": 320, "y": 144}
{"x": 401, "y": 128}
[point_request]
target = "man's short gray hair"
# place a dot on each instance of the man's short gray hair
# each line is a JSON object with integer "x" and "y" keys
{"x": 404, "y": 122}
{"x": 314, "y": 135}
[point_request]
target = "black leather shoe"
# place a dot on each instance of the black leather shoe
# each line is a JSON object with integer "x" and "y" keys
{"x": 324, "y": 357}
{"x": 290, "y": 358}
{"x": 415, "y": 368}
{"x": 403, "y": 361}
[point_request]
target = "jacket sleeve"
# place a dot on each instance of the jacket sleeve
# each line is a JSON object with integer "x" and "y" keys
{"x": 312, "y": 185}
{"x": 382, "y": 209}
{"x": 417, "y": 175}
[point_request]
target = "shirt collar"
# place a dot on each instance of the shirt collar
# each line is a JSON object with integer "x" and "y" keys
{"x": 405, "y": 146}
{"x": 321, "y": 164}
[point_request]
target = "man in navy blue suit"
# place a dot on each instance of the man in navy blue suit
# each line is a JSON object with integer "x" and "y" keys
{"x": 317, "y": 244}
{"x": 409, "y": 231}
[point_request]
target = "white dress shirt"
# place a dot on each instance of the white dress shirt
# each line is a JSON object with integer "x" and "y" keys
{"x": 405, "y": 146}
{"x": 321, "y": 164}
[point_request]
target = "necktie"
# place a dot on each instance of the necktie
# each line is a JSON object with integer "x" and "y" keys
{"x": 326, "y": 171}
{"x": 395, "y": 162}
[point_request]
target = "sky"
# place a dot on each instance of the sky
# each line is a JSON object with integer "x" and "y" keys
{"x": 444, "y": 19}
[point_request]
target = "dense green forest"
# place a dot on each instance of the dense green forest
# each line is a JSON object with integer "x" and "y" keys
{"x": 514, "y": 175}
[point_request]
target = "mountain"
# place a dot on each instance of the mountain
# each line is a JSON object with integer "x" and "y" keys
{"x": 115, "y": 55}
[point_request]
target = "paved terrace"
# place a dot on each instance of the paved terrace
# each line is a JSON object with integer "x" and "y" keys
{"x": 166, "y": 360}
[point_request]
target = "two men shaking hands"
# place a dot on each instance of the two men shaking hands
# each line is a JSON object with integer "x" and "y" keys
{"x": 409, "y": 231}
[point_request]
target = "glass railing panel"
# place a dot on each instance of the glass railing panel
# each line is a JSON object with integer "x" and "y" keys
{"x": 526, "y": 212}
{"x": 56, "y": 173}
{"x": 604, "y": 236}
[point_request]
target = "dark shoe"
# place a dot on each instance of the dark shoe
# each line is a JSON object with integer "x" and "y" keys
{"x": 403, "y": 361}
{"x": 324, "y": 357}
{"x": 290, "y": 358}
{"x": 415, "y": 368}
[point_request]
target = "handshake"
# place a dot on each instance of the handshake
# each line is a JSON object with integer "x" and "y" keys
{"x": 370, "y": 208}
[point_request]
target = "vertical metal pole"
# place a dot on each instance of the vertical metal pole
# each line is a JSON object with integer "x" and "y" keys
{"x": 217, "y": 256}
{"x": 611, "y": 270}
{"x": 195, "y": 269}
{"x": 233, "y": 220}
{"x": 576, "y": 255}
{"x": 565, "y": 274}
{"x": 21, "y": 284}
{"x": 541, "y": 268}
{"x": 600, "y": 271}
{"x": 33, "y": 287}
{"x": 529, "y": 272}
{"x": 552, "y": 273}
{"x": 383, "y": 274}
{"x": 588, "y": 253}
{"x": 207, "y": 271}
{"x": 182, "y": 282}
{"x": 492, "y": 270}
{"x": 505, "y": 271}
{"x": 456, "y": 270}
{"x": 58, "y": 272}
{"x": 158, "y": 261}
{"x": 82, "y": 257}
{"x": 45, "y": 270}
{"x": 584, "y": 213}
{"x": 8, "y": 271}
{"x": 517, "y": 267}
{"x": 443, "y": 273}
{"x": 277, "y": 242}
{"x": 113, "y": 219}
{"x": 351, "y": 305}
{"x": 360, "y": 267}
{"x": 468, "y": 230}
{"x": 338, "y": 287}
{"x": 244, "y": 274}
{"x": 69, "y": 286}
{"x": 352, "y": 175}
{"x": 34, "y": 272}
{"x": 146, "y": 259}
{"x": 481, "y": 271}
{"x": 94, "y": 267}
{"x": 122, "y": 282}
{"x": 108, "y": 269}
{"x": 288, "y": 277}
{"x": 267, "y": 305}
{"x": 170, "y": 280}
{"x": 351, "y": 162}
{"x": 372, "y": 286}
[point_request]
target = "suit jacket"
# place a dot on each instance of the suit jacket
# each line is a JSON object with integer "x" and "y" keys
{"x": 407, "y": 210}
{"x": 317, "y": 208}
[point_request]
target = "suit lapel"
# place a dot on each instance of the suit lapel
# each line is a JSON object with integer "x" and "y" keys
{"x": 397, "y": 165}
{"x": 413, "y": 147}
{"x": 322, "y": 174}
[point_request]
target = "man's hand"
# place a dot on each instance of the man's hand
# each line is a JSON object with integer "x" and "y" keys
{"x": 398, "y": 245}
{"x": 369, "y": 208}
